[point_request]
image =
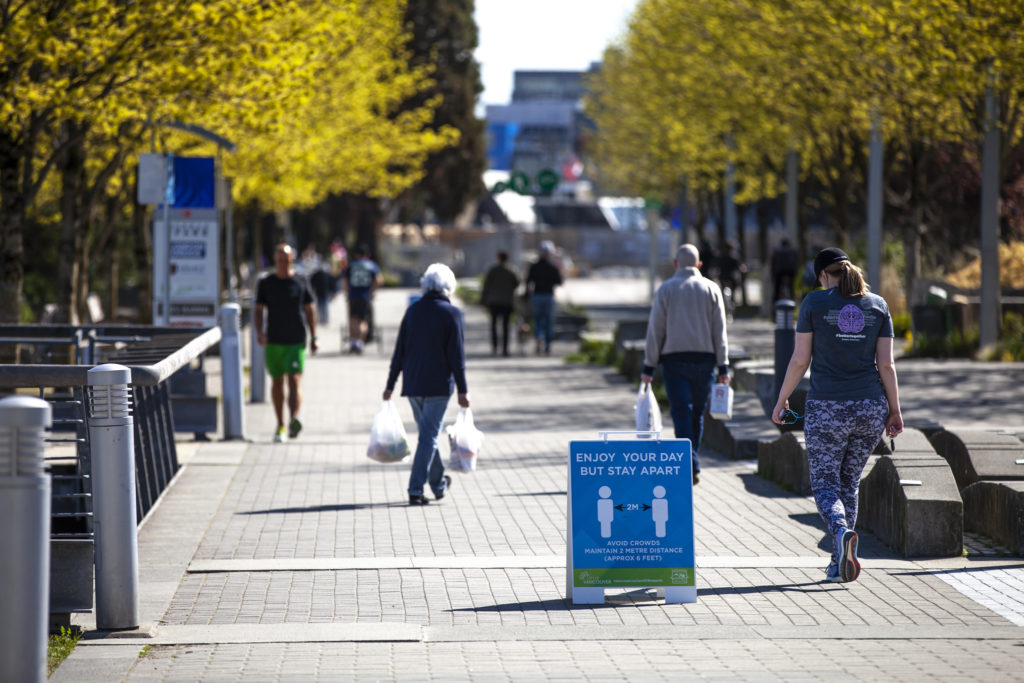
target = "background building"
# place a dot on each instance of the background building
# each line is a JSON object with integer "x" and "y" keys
{"x": 541, "y": 127}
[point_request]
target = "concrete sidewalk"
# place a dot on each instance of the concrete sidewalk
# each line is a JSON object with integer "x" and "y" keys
{"x": 301, "y": 561}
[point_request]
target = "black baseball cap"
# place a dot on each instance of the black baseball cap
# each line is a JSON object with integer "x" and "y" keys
{"x": 826, "y": 257}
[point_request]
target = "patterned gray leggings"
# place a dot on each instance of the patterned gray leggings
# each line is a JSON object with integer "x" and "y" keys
{"x": 839, "y": 437}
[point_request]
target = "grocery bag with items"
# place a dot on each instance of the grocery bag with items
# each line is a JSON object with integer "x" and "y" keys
{"x": 646, "y": 410}
{"x": 721, "y": 402}
{"x": 465, "y": 441}
{"x": 388, "y": 442}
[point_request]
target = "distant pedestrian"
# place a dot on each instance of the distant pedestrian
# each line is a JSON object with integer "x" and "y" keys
{"x": 785, "y": 262}
{"x": 285, "y": 298}
{"x": 499, "y": 295}
{"x": 686, "y": 336}
{"x": 541, "y": 281}
{"x": 709, "y": 259}
{"x": 845, "y": 334}
{"x": 360, "y": 279}
{"x": 430, "y": 355}
{"x": 324, "y": 288}
{"x": 730, "y": 276}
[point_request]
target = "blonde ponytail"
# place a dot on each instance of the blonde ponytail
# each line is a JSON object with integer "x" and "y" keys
{"x": 851, "y": 279}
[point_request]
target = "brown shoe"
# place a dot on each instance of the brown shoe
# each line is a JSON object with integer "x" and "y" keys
{"x": 696, "y": 478}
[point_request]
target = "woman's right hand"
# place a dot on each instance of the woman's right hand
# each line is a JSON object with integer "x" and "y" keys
{"x": 894, "y": 425}
{"x": 780, "y": 407}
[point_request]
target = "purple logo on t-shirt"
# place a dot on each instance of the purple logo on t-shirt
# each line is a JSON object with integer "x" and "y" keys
{"x": 851, "y": 319}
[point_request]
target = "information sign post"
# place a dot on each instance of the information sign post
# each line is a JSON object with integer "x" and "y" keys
{"x": 630, "y": 518}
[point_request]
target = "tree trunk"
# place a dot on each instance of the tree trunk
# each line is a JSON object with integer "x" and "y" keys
{"x": 143, "y": 262}
{"x": 13, "y": 205}
{"x": 72, "y": 169}
{"x": 767, "y": 293}
{"x": 741, "y": 237}
{"x": 114, "y": 255}
{"x": 368, "y": 223}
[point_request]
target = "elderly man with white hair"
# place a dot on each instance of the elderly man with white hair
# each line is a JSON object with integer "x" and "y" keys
{"x": 430, "y": 355}
{"x": 686, "y": 336}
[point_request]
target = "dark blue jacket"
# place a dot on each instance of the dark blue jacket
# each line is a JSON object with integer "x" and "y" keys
{"x": 429, "y": 351}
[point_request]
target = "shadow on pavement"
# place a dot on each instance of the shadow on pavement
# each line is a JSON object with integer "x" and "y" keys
{"x": 759, "y": 486}
{"x": 532, "y": 493}
{"x": 344, "y": 507}
{"x": 962, "y": 570}
{"x": 771, "y": 588}
{"x": 646, "y": 595}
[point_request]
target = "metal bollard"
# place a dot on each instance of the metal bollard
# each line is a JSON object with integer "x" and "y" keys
{"x": 257, "y": 368}
{"x": 111, "y": 435}
{"x": 231, "y": 370}
{"x": 785, "y": 339}
{"x": 25, "y": 538}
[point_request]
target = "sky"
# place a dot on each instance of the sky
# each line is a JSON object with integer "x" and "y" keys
{"x": 544, "y": 35}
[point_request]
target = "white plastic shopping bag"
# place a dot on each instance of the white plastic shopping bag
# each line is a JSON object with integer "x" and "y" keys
{"x": 388, "y": 442}
{"x": 721, "y": 402}
{"x": 646, "y": 410}
{"x": 465, "y": 441}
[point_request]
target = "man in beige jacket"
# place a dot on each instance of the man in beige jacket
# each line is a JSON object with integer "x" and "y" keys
{"x": 686, "y": 336}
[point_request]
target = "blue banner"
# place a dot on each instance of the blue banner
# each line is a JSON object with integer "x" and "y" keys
{"x": 632, "y": 513}
{"x": 194, "y": 183}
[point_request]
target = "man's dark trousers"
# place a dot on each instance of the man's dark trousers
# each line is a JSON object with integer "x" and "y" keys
{"x": 688, "y": 385}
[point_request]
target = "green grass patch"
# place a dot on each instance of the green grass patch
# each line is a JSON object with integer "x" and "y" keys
{"x": 59, "y": 647}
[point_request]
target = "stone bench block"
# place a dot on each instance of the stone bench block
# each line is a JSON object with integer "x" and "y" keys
{"x": 975, "y": 455}
{"x": 629, "y": 330}
{"x": 740, "y": 437}
{"x": 784, "y": 461}
{"x": 996, "y": 509}
{"x": 631, "y": 362}
{"x": 911, "y": 502}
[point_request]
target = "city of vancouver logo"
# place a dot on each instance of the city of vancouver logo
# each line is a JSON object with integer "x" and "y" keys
{"x": 851, "y": 319}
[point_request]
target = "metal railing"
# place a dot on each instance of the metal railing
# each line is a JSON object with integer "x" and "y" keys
{"x": 112, "y": 432}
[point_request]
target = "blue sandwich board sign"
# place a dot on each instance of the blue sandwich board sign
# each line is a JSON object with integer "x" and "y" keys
{"x": 630, "y": 516}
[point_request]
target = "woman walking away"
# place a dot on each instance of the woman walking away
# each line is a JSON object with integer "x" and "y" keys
{"x": 429, "y": 354}
{"x": 845, "y": 334}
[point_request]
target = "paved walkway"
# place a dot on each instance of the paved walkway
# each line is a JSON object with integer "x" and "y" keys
{"x": 301, "y": 561}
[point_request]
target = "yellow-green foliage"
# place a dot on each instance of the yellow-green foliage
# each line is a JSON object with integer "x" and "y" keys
{"x": 308, "y": 90}
{"x": 695, "y": 83}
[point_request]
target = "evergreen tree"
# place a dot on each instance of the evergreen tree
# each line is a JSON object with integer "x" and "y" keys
{"x": 443, "y": 35}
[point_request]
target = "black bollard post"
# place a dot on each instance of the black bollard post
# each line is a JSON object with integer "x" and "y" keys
{"x": 785, "y": 338}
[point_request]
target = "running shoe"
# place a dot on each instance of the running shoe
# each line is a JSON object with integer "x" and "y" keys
{"x": 846, "y": 543}
{"x": 832, "y": 573}
{"x": 281, "y": 435}
{"x": 294, "y": 427}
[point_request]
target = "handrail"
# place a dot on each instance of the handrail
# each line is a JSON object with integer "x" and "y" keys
{"x": 53, "y": 375}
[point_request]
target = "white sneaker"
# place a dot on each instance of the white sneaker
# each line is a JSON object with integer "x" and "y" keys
{"x": 281, "y": 435}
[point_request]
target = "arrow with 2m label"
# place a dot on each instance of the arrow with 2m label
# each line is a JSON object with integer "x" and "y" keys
{"x": 627, "y": 507}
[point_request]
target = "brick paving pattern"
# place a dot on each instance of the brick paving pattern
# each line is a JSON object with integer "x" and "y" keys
{"x": 480, "y": 578}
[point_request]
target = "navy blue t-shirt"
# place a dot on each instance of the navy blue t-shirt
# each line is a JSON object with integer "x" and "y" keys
{"x": 360, "y": 276}
{"x": 843, "y": 349}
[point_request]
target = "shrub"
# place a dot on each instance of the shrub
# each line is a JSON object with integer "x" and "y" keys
{"x": 594, "y": 352}
{"x": 1011, "y": 345}
{"x": 955, "y": 344}
{"x": 901, "y": 324}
